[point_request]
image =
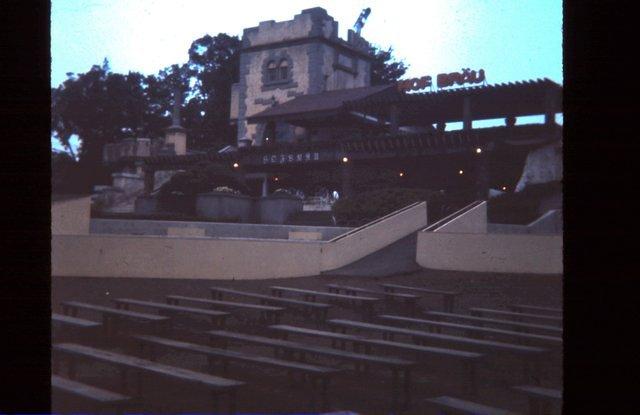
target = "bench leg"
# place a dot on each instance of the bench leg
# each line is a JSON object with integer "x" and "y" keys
{"x": 470, "y": 369}
{"x": 394, "y": 390}
{"x": 407, "y": 388}
{"x": 232, "y": 401}
{"x": 324, "y": 396}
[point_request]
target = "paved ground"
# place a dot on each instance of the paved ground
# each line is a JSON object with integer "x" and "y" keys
{"x": 270, "y": 391}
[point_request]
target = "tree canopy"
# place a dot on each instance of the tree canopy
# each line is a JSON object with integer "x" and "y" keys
{"x": 101, "y": 106}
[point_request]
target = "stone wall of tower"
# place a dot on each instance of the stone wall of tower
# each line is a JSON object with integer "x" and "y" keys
{"x": 318, "y": 61}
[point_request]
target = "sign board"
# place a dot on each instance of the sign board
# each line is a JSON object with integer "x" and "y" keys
{"x": 444, "y": 80}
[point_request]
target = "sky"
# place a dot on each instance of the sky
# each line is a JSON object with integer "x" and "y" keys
{"x": 512, "y": 40}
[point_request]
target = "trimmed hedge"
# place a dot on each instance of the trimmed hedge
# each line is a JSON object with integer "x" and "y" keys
{"x": 367, "y": 206}
{"x": 521, "y": 208}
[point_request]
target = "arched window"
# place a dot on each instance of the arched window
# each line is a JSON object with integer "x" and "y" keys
{"x": 284, "y": 69}
{"x": 272, "y": 71}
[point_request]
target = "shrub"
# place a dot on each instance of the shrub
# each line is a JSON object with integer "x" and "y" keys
{"x": 367, "y": 206}
{"x": 180, "y": 192}
{"x": 520, "y": 208}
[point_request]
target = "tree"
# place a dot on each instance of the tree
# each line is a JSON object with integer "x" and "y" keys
{"x": 385, "y": 69}
{"x": 99, "y": 107}
{"x": 214, "y": 67}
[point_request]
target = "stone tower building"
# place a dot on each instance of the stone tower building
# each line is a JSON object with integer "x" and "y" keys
{"x": 282, "y": 60}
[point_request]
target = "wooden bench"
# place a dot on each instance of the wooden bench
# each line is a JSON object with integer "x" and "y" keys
{"x": 469, "y": 329}
{"x": 367, "y": 303}
{"x": 455, "y": 406}
{"x": 318, "y": 311}
{"x": 217, "y": 317}
{"x": 397, "y": 366}
{"x": 468, "y": 359}
{"x": 218, "y": 385}
{"x": 479, "y": 311}
{"x": 527, "y": 327}
{"x": 540, "y": 399}
{"x": 448, "y": 297}
{"x": 81, "y": 330}
{"x": 318, "y": 375}
{"x": 526, "y": 308}
{"x": 108, "y": 314}
{"x": 409, "y": 299}
{"x": 104, "y": 399}
{"x": 530, "y": 356}
{"x": 267, "y": 313}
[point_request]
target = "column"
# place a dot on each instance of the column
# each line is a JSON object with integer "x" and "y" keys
{"x": 149, "y": 179}
{"x": 393, "y": 118}
{"x": 482, "y": 174}
{"x": 265, "y": 185}
{"x": 466, "y": 113}
{"x": 346, "y": 178}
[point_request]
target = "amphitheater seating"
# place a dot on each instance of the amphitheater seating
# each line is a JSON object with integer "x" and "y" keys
{"x": 481, "y": 321}
{"x": 157, "y": 323}
{"x": 450, "y": 406}
{"x": 101, "y": 399}
{"x": 300, "y": 351}
{"x": 318, "y": 311}
{"x": 217, "y": 317}
{"x": 540, "y": 399}
{"x": 448, "y": 297}
{"x": 366, "y": 303}
{"x": 218, "y": 386}
{"x": 359, "y": 343}
{"x": 267, "y": 313}
{"x": 479, "y": 311}
{"x": 471, "y": 330}
{"x": 409, "y": 299}
{"x": 319, "y": 375}
{"x": 522, "y": 308}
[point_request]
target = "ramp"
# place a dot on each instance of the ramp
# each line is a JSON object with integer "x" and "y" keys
{"x": 382, "y": 247}
{"x": 397, "y": 258}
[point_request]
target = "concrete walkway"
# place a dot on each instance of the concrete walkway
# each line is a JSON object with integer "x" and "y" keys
{"x": 394, "y": 259}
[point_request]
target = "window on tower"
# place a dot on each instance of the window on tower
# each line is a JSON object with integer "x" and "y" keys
{"x": 283, "y": 69}
{"x": 272, "y": 71}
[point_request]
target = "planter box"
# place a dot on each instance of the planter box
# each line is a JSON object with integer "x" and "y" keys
{"x": 146, "y": 205}
{"x": 225, "y": 207}
{"x": 276, "y": 209}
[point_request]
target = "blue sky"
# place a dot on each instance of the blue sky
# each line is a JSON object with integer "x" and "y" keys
{"x": 512, "y": 40}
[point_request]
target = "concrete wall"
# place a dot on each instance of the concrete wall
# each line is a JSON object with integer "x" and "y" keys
{"x": 181, "y": 257}
{"x": 481, "y": 252}
{"x": 277, "y": 209}
{"x": 549, "y": 223}
{"x": 224, "y": 206}
{"x": 221, "y": 230}
{"x": 463, "y": 244}
{"x": 102, "y": 255}
{"x": 71, "y": 216}
{"x": 363, "y": 241}
{"x": 472, "y": 221}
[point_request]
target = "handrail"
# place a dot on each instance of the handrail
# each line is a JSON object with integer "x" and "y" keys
{"x": 368, "y": 224}
{"x": 451, "y": 217}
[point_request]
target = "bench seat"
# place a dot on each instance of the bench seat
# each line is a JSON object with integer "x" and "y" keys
{"x": 318, "y": 310}
{"x": 215, "y": 383}
{"x": 497, "y": 322}
{"x": 448, "y": 297}
{"x": 477, "y": 344}
{"x": 216, "y": 316}
{"x": 452, "y": 406}
{"x": 74, "y": 305}
{"x": 396, "y": 365}
{"x": 350, "y": 290}
{"x": 540, "y": 398}
{"x": 512, "y": 314}
{"x": 525, "y": 308}
{"x": 87, "y": 391}
{"x": 74, "y": 321}
{"x": 535, "y": 338}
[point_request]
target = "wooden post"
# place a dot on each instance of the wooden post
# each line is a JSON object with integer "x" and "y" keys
{"x": 466, "y": 113}
{"x": 346, "y": 178}
{"x": 393, "y": 118}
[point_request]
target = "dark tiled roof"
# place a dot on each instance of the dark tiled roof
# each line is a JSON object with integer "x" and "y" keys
{"x": 322, "y": 102}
